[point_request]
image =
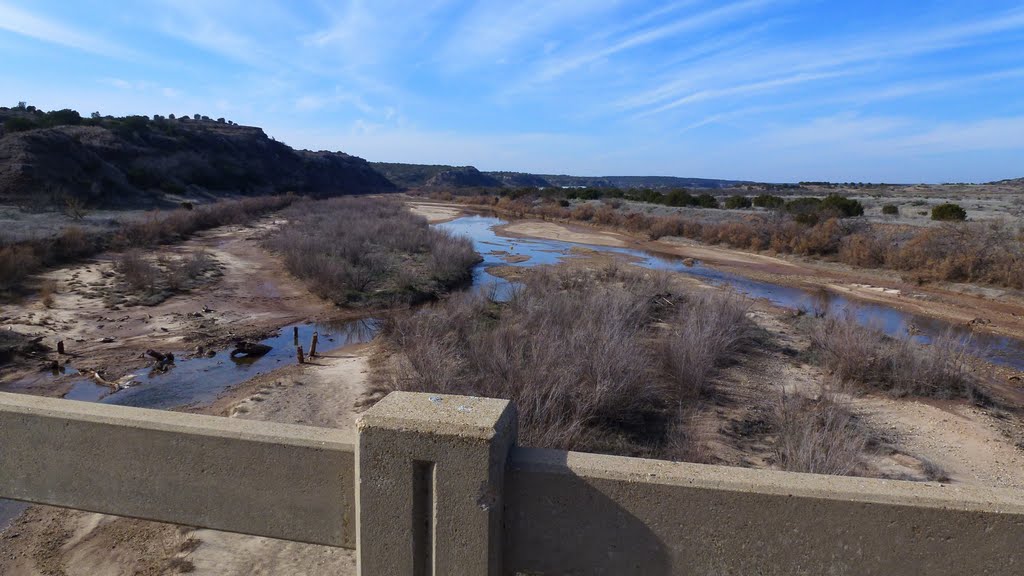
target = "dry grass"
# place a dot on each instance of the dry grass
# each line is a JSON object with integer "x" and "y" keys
{"x": 706, "y": 331}
{"x": 371, "y": 251}
{"x": 582, "y": 355}
{"x": 138, "y": 273}
{"x": 900, "y": 366}
{"x": 181, "y": 273}
{"x": 818, "y": 436}
{"x": 47, "y": 293}
{"x": 20, "y": 260}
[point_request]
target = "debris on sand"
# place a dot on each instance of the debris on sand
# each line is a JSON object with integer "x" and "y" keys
{"x": 115, "y": 385}
{"x": 250, "y": 349}
{"x": 163, "y": 361}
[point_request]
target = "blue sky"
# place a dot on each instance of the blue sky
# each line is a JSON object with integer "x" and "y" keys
{"x": 897, "y": 91}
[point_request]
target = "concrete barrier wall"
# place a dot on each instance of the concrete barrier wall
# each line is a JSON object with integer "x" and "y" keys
{"x": 443, "y": 490}
{"x": 573, "y": 513}
{"x": 281, "y": 481}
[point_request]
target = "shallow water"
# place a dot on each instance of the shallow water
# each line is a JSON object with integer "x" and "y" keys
{"x": 201, "y": 380}
{"x": 997, "y": 349}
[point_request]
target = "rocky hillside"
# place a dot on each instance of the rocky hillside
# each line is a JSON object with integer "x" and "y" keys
{"x": 435, "y": 176}
{"x": 47, "y": 158}
{"x": 440, "y": 176}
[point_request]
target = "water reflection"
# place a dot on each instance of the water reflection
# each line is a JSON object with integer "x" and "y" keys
{"x": 997, "y": 349}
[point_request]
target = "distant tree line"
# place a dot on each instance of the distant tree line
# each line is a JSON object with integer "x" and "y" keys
{"x": 32, "y": 118}
{"x": 807, "y": 210}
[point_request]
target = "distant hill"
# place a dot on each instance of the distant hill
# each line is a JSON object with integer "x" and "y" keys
{"x": 653, "y": 182}
{"x": 435, "y": 175}
{"x": 139, "y": 161}
{"x": 1011, "y": 181}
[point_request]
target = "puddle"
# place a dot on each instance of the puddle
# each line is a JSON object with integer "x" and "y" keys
{"x": 201, "y": 380}
{"x": 996, "y": 349}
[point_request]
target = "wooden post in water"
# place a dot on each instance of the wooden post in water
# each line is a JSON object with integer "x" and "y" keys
{"x": 298, "y": 354}
{"x": 312, "y": 345}
{"x": 60, "y": 347}
{"x": 296, "y": 332}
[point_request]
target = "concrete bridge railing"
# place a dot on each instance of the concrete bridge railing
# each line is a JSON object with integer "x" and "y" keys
{"x": 435, "y": 485}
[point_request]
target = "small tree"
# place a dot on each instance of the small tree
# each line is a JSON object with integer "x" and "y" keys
{"x": 949, "y": 211}
{"x": 737, "y": 202}
{"x": 95, "y": 116}
{"x": 890, "y": 210}
{"x": 21, "y": 105}
{"x": 845, "y": 207}
{"x": 707, "y": 201}
{"x": 768, "y": 201}
{"x": 74, "y": 207}
{"x": 170, "y": 116}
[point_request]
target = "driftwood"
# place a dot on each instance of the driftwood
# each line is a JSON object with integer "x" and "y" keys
{"x": 163, "y": 361}
{"x": 250, "y": 349}
{"x": 160, "y": 356}
{"x": 114, "y": 385}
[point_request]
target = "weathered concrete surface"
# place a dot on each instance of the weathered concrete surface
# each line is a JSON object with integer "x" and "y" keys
{"x": 573, "y": 513}
{"x": 432, "y": 469}
{"x": 276, "y": 480}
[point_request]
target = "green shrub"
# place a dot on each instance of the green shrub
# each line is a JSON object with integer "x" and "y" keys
{"x": 707, "y": 201}
{"x": 948, "y": 211}
{"x": 890, "y": 210}
{"x": 844, "y": 207}
{"x": 679, "y": 198}
{"x": 768, "y": 201}
{"x": 19, "y": 125}
{"x": 737, "y": 202}
{"x": 65, "y": 117}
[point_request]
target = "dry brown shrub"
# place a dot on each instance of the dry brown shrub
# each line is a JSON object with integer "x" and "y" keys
{"x": 584, "y": 212}
{"x": 576, "y": 375}
{"x": 818, "y": 436}
{"x": 351, "y": 249}
{"x": 897, "y": 365}
{"x": 709, "y": 327}
{"x": 138, "y": 273}
{"x": 47, "y": 292}
{"x": 16, "y": 264}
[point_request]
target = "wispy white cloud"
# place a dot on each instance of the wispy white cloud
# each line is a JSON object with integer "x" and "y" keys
{"x": 314, "y": 102}
{"x": 498, "y": 30}
{"x": 25, "y": 23}
{"x": 555, "y": 68}
{"x": 809, "y": 62}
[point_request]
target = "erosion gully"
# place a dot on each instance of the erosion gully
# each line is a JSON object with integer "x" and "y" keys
{"x": 197, "y": 381}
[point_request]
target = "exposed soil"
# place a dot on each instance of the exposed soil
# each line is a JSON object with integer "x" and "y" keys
{"x": 252, "y": 296}
{"x": 436, "y": 213}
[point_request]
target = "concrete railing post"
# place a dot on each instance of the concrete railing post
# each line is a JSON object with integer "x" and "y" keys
{"x": 430, "y": 472}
